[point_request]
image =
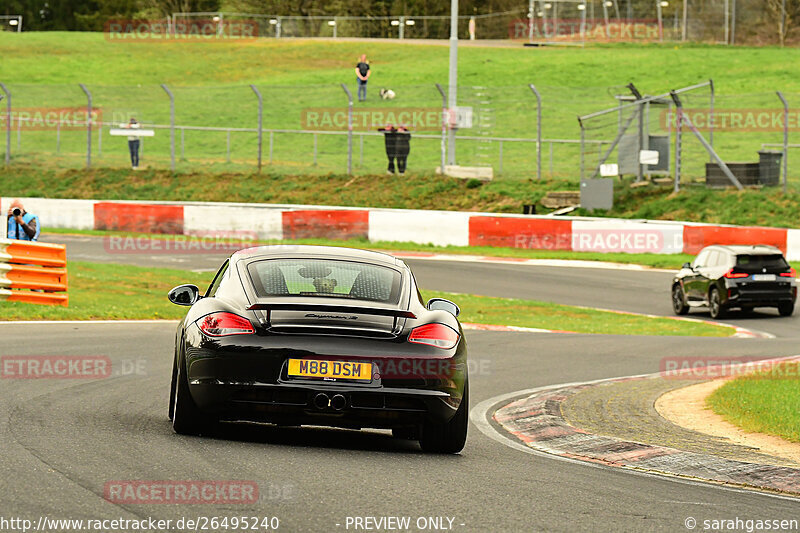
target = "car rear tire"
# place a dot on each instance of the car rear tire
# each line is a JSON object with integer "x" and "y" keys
{"x": 786, "y": 309}
{"x": 187, "y": 419}
{"x": 679, "y": 300}
{"x": 172, "y": 386}
{"x": 450, "y": 436}
{"x": 715, "y": 308}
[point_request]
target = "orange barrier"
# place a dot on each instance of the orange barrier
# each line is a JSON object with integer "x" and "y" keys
{"x": 35, "y": 253}
{"x": 30, "y": 297}
{"x": 31, "y": 277}
{"x": 33, "y": 272}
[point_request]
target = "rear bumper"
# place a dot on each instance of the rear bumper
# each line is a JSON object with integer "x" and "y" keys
{"x": 294, "y": 404}
{"x": 759, "y": 297}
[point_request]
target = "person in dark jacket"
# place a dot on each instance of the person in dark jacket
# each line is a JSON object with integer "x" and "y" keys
{"x": 402, "y": 147}
{"x": 22, "y": 225}
{"x": 390, "y": 142}
{"x": 398, "y": 145}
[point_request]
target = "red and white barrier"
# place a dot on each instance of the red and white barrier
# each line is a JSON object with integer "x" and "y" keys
{"x": 442, "y": 228}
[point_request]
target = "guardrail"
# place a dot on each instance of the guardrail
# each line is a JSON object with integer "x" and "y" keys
{"x": 33, "y": 272}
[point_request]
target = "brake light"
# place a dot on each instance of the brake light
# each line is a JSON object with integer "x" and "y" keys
{"x": 222, "y": 324}
{"x": 730, "y": 274}
{"x": 437, "y": 335}
{"x": 790, "y": 274}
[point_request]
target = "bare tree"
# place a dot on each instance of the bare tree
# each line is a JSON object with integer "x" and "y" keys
{"x": 786, "y": 19}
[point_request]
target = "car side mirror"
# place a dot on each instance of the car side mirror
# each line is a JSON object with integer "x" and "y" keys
{"x": 440, "y": 304}
{"x": 184, "y": 295}
{"x": 687, "y": 265}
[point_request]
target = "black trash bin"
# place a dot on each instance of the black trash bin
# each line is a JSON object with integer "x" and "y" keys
{"x": 769, "y": 167}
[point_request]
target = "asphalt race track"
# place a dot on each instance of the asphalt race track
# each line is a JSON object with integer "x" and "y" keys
{"x": 63, "y": 440}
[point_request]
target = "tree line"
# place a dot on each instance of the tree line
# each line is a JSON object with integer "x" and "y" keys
{"x": 756, "y": 21}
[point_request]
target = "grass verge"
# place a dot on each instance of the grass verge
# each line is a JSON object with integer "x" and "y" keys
{"x": 763, "y": 402}
{"x": 110, "y": 291}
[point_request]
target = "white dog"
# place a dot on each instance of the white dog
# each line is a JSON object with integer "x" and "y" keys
{"x": 387, "y": 94}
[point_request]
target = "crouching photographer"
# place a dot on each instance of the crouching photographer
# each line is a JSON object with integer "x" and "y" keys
{"x": 22, "y": 225}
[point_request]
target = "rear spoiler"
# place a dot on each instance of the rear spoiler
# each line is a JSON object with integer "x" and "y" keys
{"x": 331, "y": 308}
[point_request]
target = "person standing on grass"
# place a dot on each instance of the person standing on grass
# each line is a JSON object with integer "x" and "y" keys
{"x": 362, "y": 75}
{"x": 133, "y": 143}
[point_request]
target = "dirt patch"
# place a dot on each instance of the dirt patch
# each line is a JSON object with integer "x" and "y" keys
{"x": 687, "y": 408}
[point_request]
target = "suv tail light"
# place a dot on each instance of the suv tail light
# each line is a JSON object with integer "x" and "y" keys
{"x": 730, "y": 274}
{"x": 790, "y": 274}
{"x": 221, "y": 324}
{"x": 437, "y": 335}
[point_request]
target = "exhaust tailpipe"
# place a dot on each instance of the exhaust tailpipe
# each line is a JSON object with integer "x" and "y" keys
{"x": 321, "y": 401}
{"x": 338, "y": 402}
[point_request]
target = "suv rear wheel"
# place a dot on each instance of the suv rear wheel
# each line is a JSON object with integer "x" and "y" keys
{"x": 714, "y": 304}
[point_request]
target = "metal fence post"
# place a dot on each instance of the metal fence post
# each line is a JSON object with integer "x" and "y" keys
{"x": 785, "y": 140}
{"x": 583, "y": 148}
{"x": 678, "y": 147}
{"x": 88, "y": 125}
{"x": 538, "y": 132}
{"x": 500, "y": 170}
{"x": 8, "y": 122}
{"x": 444, "y": 126}
{"x": 260, "y": 123}
{"x": 711, "y": 116}
{"x": 349, "y": 128}
{"x": 171, "y": 126}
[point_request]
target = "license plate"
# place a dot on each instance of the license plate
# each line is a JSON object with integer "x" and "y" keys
{"x": 314, "y": 368}
{"x": 763, "y": 277}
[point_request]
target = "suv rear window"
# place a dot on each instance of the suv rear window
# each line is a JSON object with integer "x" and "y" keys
{"x": 325, "y": 278}
{"x": 758, "y": 262}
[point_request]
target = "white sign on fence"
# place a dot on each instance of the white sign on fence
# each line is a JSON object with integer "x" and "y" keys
{"x": 648, "y": 157}
{"x": 609, "y": 170}
{"x": 124, "y": 132}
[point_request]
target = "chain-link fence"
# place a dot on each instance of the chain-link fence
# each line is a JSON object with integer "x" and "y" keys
{"x": 693, "y": 135}
{"x": 520, "y": 132}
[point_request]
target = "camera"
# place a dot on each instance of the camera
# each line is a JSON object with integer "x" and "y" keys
{"x": 17, "y": 212}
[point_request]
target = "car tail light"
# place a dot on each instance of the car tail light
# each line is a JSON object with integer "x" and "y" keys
{"x": 222, "y": 324}
{"x": 790, "y": 274}
{"x": 730, "y": 274}
{"x": 437, "y": 335}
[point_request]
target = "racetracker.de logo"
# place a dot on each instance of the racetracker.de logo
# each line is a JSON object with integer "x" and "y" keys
{"x": 50, "y": 118}
{"x": 222, "y": 242}
{"x": 575, "y": 29}
{"x": 180, "y": 492}
{"x": 373, "y": 118}
{"x": 743, "y": 120}
{"x": 181, "y": 30}
{"x": 703, "y": 368}
{"x": 54, "y": 366}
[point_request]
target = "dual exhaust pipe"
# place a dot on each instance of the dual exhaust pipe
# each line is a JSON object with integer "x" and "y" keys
{"x": 337, "y": 402}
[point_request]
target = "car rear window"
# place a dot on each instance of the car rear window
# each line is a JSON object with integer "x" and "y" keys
{"x": 749, "y": 262}
{"x": 325, "y": 278}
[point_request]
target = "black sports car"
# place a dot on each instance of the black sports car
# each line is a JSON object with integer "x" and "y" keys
{"x": 744, "y": 277}
{"x": 318, "y": 335}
